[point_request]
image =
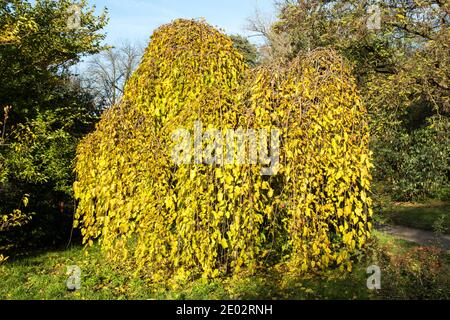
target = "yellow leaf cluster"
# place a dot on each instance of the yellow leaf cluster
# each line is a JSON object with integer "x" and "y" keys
{"x": 180, "y": 221}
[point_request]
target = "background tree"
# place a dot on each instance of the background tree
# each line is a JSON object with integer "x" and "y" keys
{"x": 109, "y": 71}
{"x": 402, "y": 68}
{"x": 49, "y": 113}
{"x": 247, "y": 49}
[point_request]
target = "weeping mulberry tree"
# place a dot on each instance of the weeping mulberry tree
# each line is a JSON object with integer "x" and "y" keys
{"x": 182, "y": 220}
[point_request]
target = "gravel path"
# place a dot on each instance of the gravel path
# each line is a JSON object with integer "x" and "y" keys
{"x": 415, "y": 235}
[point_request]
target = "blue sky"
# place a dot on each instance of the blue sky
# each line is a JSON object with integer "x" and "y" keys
{"x": 134, "y": 20}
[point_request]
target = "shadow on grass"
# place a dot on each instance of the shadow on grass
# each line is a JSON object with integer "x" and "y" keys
{"x": 44, "y": 277}
{"x": 419, "y": 216}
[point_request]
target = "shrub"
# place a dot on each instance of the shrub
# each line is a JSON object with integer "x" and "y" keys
{"x": 10, "y": 221}
{"x": 419, "y": 273}
{"x": 414, "y": 165}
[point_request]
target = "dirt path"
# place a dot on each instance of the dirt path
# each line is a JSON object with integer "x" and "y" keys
{"x": 415, "y": 235}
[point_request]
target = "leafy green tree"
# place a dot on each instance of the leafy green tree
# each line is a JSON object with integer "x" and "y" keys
{"x": 44, "y": 48}
{"x": 48, "y": 110}
{"x": 247, "y": 49}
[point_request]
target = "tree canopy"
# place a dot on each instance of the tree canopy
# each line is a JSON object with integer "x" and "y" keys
{"x": 45, "y": 108}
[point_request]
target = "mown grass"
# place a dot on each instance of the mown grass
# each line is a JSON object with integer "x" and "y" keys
{"x": 43, "y": 276}
{"x": 422, "y": 216}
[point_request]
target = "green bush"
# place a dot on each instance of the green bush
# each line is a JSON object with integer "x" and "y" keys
{"x": 414, "y": 165}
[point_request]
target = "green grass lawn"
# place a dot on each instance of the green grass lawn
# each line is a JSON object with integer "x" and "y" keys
{"x": 420, "y": 216}
{"x": 43, "y": 276}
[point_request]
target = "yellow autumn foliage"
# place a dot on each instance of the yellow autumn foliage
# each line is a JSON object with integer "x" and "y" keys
{"x": 180, "y": 221}
{"x": 10, "y": 32}
{"x": 325, "y": 157}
